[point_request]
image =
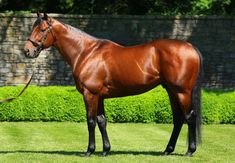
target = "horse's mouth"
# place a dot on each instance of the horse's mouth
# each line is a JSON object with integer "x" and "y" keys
{"x": 34, "y": 54}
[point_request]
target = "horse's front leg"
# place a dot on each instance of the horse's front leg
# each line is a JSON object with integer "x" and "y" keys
{"x": 91, "y": 102}
{"x": 102, "y": 126}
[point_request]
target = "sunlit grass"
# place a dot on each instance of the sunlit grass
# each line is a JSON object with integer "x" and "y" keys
{"x": 67, "y": 142}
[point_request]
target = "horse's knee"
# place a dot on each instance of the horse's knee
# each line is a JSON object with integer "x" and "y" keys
{"x": 91, "y": 122}
{"x": 101, "y": 120}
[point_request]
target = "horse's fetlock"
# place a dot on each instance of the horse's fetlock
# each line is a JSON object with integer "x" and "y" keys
{"x": 90, "y": 150}
{"x": 192, "y": 147}
{"x": 106, "y": 147}
{"x": 169, "y": 149}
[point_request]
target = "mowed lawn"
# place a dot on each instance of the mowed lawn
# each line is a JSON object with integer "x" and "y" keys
{"x": 67, "y": 142}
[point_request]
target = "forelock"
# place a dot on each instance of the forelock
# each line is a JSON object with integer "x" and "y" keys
{"x": 37, "y": 22}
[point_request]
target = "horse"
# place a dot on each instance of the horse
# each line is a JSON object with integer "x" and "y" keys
{"x": 104, "y": 69}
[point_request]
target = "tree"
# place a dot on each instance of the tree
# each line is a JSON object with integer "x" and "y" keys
{"x": 115, "y": 7}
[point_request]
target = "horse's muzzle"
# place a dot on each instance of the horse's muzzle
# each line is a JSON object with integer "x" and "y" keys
{"x": 27, "y": 52}
{"x": 32, "y": 54}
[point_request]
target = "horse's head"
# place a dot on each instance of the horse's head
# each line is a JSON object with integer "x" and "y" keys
{"x": 41, "y": 36}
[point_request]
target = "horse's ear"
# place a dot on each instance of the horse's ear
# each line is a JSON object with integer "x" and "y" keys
{"x": 45, "y": 16}
{"x": 38, "y": 14}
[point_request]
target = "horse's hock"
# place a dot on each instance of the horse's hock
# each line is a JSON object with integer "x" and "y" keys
{"x": 214, "y": 36}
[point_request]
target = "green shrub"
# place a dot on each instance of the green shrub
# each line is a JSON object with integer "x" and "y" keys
{"x": 57, "y": 103}
{"x": 141, "y": 108}
{"x": 218, "y": 106}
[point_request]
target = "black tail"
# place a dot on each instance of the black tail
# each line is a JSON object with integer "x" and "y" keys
{"x": 196, "y": 99}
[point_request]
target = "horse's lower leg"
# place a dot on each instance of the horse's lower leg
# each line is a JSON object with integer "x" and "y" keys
{"x": 190, "y": 116}
{"x": 178, "y": 120}
{"x": 101, "y": 120}
{"x": 191, "y": 121}
{"x": 91, "y": 123}
{"x": 178, "y": 123}
{"x": 102, "y": 126}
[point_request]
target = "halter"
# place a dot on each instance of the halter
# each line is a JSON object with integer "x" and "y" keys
{"x": 39, "y": 46}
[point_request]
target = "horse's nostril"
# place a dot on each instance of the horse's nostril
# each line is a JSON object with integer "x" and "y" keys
{"x": 26, "y": 52}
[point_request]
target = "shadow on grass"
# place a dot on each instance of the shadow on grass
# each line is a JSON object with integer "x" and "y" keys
{"x": 82, "y": 154}
{"x": 46, "y": 152}
{"x": 152, "y": 153}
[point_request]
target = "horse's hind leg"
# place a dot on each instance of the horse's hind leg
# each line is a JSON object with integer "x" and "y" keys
{"x": 178, "y": 120}
{"x": 191, "y": 121}
{"x": 185, "y": 100}
{"x": 102, "y": 126}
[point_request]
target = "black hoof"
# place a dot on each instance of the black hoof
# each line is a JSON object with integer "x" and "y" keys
{"x": 104, "y": 154}
{"x": 89, "y": 153}
{"x": 165, "y": 153}
{"x": 106, "y": 150}
{"x": 168, "y": 150}
{"x": 188, "y": 154}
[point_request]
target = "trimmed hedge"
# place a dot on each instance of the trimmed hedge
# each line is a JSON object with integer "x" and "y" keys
{"x": 57, "y": 103}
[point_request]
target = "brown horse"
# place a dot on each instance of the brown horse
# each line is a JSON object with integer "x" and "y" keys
{"x": 103, "y": 69}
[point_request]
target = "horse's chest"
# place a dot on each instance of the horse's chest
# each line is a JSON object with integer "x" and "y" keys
{"x": 90, "y": 77}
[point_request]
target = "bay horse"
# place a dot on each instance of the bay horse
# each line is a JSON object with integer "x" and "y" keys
{"x": 104, "y": 69}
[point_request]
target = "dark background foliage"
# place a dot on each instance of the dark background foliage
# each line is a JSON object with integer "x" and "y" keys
{"x": 117, "y": 7}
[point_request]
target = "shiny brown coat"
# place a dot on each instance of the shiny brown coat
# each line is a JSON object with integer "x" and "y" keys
{"x": 104, "y": 69}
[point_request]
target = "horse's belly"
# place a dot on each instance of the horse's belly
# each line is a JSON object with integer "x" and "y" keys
{"x": 120, "y": 89}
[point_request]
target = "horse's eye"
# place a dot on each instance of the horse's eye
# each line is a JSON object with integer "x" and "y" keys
{"x": 42, "y": 30}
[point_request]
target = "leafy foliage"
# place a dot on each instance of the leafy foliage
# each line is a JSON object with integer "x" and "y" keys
{"x": 140, "y": 7}
{"x": 56, "y": 103}
{"x": 218, "y": 107}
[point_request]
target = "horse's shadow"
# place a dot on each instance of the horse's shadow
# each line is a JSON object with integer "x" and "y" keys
{"x": 82, "y": 154}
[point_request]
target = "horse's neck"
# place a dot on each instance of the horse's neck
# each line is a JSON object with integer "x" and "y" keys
{"x": 72, "y": 43}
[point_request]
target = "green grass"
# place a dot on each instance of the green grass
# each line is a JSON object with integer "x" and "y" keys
{"x": 66, "y": 142}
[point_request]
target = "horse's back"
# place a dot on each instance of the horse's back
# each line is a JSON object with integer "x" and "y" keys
{"x": 167, "y": 61}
